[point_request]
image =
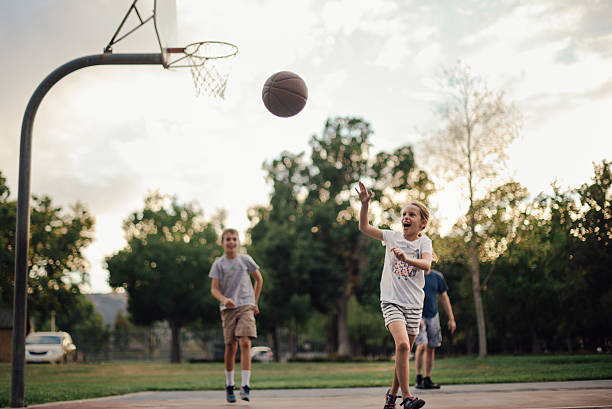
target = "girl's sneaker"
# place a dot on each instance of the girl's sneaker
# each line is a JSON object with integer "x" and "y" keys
{"x": 390, "y": 400}
{"x": 412, "y": 402}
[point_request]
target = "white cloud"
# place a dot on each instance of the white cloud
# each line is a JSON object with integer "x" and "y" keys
{"x": 106, "y": 135}
{"x": 428, "y": 56}
{"x": 393, "y": 53}
{"x": 347, "y": 16}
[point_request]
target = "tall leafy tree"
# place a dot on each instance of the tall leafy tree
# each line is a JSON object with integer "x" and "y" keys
{"x": 56, "y": 268}
{"x": 320, "y": 250}
{"x": 498, "y": 217}
{"x": 164, "y": 266}
{"x": 57, "y": 265}
{"x": 273, "y": 241}
{"x": 511, "y": 258}
{"x": 537, "y": 256}
{"x": 7, "y": 244}
{"x": 57, "y": 241}
{"x": 593, "y": 231}
{"x": 477, "y": 126}
{"x": 339, "y": 158}
{"x": 453, "y": 262}
{"x": 572, "y": 235}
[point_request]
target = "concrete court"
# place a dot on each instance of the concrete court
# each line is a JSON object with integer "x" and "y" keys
{"x": 544, "y": 395}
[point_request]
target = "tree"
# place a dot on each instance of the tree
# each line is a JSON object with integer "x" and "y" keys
{"x": 57, "y": 242}
{"x": 593, "y": 232}
{"x": 511, "y": 253}
{"x": 7, "y": 244}
{"x": 164, "y": 267}
{"x": 537, "y": 258}
{"x": 273, "y": 241}
{"x": 310, "y": 230}
{"x": 477, "y": 127}
{"x": 57, "y": 265}
{"x": 341, "y": 157}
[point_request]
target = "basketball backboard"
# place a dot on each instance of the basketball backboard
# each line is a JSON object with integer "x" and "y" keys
{"x": 208, "y": 60}
{"x": 166, "y": 23}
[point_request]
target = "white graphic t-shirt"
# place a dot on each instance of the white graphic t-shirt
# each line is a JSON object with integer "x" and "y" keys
{"x": 402, "y": 283}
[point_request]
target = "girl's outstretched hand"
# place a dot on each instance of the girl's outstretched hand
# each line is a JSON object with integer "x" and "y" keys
{"x": 364, "y": 194}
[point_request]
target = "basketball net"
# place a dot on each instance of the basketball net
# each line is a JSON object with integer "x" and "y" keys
{"x": 209, "y": 62}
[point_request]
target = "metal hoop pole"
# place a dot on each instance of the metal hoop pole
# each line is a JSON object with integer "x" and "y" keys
{"x": 22, "y": 237}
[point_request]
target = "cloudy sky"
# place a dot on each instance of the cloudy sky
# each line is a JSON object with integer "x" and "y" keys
{"x": 106, "y": 135}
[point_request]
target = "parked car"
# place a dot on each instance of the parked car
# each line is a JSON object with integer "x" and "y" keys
{"x": 262, "y": 353}
{"x": 50, "y": 347}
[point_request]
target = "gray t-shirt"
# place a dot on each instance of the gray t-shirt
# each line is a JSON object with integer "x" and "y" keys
{"x": 402, "y": 283}
{"x": 234, "y": 279}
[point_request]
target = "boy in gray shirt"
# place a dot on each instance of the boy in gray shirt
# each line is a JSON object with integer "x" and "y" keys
{"x": 232, "y": 286}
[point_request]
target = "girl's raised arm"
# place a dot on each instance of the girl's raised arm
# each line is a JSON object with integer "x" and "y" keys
{"x": 364, "y": 223}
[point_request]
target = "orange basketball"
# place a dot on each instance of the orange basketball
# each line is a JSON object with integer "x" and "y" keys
{"x": 284, "y": 94}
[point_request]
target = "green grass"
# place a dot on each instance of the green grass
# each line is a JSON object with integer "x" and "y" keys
{"x": 49, "y": 383}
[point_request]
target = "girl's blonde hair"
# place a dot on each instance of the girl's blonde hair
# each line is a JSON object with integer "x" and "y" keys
{"x": 425, "y": 217}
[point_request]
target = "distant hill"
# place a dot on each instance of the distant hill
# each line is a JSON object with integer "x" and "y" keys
{"x": 109, "y": 305}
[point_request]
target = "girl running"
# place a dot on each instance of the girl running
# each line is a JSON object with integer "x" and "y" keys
{"x": 408, "y": 257}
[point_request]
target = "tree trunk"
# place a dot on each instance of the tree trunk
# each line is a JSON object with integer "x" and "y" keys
{"x": 332, "y": 334}
{"x": 468, "y": 345}
{"x": 150, "y": 343}
{"x": 568, "y": 342}
{"x": 344, "y": 342}
{"x": 476, "y": 288}
{"x": 475, "y": 265}
{"x": 275, "y": 344}
{"x": 292, "y": 338}
{"x": 480, "y": 319}
{"x": 535, "y": 342}
{"x": 175, "y": 349}
{"x": 359, "y": 263}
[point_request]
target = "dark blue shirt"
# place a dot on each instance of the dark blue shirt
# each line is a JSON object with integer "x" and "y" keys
{"x": 434, "y": 285}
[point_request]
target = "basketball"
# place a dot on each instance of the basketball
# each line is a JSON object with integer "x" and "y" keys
{"x": 284, "y": 94}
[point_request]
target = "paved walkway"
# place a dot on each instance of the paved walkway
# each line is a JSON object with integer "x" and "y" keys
{"x": 544, "y": 395}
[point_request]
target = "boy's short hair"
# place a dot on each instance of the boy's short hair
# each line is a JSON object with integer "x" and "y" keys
{"x": 228, "y": 231}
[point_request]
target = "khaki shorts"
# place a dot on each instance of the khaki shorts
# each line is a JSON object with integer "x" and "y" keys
{"x": 238, "y": 322}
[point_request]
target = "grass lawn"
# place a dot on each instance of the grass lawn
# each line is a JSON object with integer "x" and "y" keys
{"x": 49, "y": 383}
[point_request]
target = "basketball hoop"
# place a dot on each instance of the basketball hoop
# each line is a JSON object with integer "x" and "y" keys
{"x": 209, "y": 62}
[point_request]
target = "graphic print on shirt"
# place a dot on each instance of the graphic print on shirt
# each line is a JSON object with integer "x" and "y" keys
{"x": 404, "y": 270}
{"x": 237, "y": 267}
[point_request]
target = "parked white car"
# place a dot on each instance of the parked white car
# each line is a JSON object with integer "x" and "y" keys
{"x": 262, "y": 353}
{"x": 49, "y": 347}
